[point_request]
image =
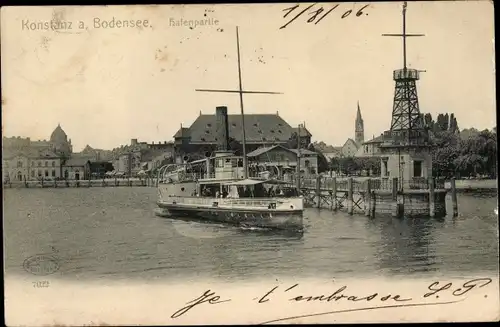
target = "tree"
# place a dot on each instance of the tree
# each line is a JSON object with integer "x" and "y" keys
{"x": 368, "y": 164}
{"x": 322, "y": 161}
{"x": 469, "y": 153}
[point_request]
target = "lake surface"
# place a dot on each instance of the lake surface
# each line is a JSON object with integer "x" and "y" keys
{"x": 113, "y": 233}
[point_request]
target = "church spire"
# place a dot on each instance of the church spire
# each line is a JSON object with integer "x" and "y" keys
{"x": 359, "y": 127}
{"x": 358, "y": 116}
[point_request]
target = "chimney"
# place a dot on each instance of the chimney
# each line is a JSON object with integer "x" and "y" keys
{"x": 133, "y": 142}
{"x": 222, "y": 128}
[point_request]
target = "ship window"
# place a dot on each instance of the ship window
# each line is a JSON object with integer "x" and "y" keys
{"x": 260, "y": 131}
{"x": 233, "y": 124}
{"x": 255, "y": 125}
{"x": 272, "y": 131}
{"x": 264, "y": 139}
{"x": 280, "y": 124}
{"x": 203, "y": 139}
{"x": 216, "y": 139}
{"x": 182, "y": 189}
{"x": 279, "y": 131}
{"x": 209, "y": 125}
{"x": 207, "y": 132}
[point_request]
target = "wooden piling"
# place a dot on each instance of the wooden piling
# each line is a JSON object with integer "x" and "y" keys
{"x": 350, "y": 194}
{"x": 116, "y": 181}
{"x": 454, "y": 197}
{"x": 55, "y": 183}
{"x": 432, "y": 198}
{"x": 394, "y": 188}
{"x": 334, "y": 193}
{"x": 318, "y": 191}
{"x": 42, "y": 182}
{"x": 396, "y": 199}
{"x": 367, "y": 198}
{"x": 373, "y": 203}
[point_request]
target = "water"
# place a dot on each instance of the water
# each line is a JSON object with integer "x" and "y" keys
{"x": 113, "y": 233}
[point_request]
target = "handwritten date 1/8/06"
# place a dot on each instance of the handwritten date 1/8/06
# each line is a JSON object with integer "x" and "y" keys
{"x": 41, "y": 284}
{"x": 315, "y": 16}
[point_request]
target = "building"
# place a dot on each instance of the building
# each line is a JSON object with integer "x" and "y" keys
{"x": 31, "y": 165}
{"x": 283, "y": 158}
{"x": 406, "y": 150}
{"x": 94, "y": 154}
{"x": 371, "y": 148}
{"x": 98, "y": 169}
{"x": 61, "y": 145}
{"x": 58, "y": 144}
{"x": 76, "y": 168}
{"x": 130, "y": 159}
{"x": 24, "y": 159}
{"x": 261, "y": 130}
{"x": 154, "y": 162}
{"x": 359, "y": 129}
{"x": 351, "y": 147}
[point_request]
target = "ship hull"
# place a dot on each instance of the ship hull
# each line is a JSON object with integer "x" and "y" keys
{"x": 276, "y": 219}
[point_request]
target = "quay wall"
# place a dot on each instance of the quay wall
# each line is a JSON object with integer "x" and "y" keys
{"x": 82, "y": 183}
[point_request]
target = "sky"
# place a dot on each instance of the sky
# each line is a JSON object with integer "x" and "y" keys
{"x": 106, "y": 86}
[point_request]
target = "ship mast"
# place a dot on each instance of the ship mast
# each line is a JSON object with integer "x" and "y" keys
{"x": 240, "y": 91}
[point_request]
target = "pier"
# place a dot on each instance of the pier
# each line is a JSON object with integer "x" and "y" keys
{"x": 108, "y": 182}
{"x": 379, "y": 196}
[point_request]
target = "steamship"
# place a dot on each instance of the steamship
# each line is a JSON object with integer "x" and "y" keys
{"x": 219, "y": 189}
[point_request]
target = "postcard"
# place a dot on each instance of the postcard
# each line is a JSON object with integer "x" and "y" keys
{"x": 249, "y": 163}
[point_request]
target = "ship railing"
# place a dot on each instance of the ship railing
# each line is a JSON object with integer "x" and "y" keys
{"x": 240, "y": 202}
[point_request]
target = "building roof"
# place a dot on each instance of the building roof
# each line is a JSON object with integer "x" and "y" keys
{"x": 77, "y": 162}
{"x": 258, "y": 127}
{"x": 304, "y": 132}
{"x": 259, "y": 151}
{"x": 349, "y": 140}
{"x": 149, "y": 155}
{"x": 182, "y": 132}
{"x": 58, "y": 134}
{"x": 28, "y": 152}
{"x": 378, "y": 139}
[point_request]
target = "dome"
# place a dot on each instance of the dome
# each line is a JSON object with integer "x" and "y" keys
{"x": 58, "y": 135}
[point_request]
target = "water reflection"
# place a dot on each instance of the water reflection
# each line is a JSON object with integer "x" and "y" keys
{"x": 406, "y": 245}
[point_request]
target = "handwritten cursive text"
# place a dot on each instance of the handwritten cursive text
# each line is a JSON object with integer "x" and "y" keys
{"x": 207, "y": 297}
{"x": 315, "y": 16}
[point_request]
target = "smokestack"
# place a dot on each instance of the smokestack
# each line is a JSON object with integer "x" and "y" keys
{"x": 222, "y": 128}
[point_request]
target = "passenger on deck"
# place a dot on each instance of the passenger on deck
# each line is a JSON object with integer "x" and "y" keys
{"x": 271, "y": 192}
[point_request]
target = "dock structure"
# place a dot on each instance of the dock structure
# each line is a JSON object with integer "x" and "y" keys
{"x": 108, "y": 182}
{"x": 378, "y": 196}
